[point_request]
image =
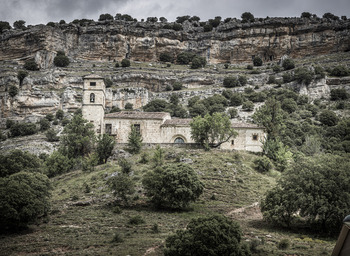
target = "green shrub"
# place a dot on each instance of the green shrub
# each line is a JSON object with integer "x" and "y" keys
{"x": 144, "y": 158}
{"x": 231, "y": 81}
{"x": 128, "y": 106}
{"x": 257, "y": 61}
{"x": 31, "y": 65}
{"x": 136, "y": 220}
{"x": 125, "y": 165}
{"x": 57, "y": 164}
{"x": 262, "y": 164}
{"x": 13, "y": 91}
{"x": 236, "y": 99}
{"x": 172, "y": 186}
{"x": 177, "y": 27}
{"x": 125, "y": 63}
{"x": 104, "y": 148}
{"x": 59, "y": 114}
{"x": 122, "y": 186}
{"x": 272, "y": 80}
{"x": 247, "y": 16}
{"x": 303, "y": 75}
{"x": 198, "y": 62}
{"x": 289, "y": 105}
{"x": 117, "y": 65}
{"x": 288, "y": 64}
{"x": 166, "y": 57}
{"x": 22, "y": 129}
{"x": 134, "y": 141}
{"x": 242, "y": 80}
{"x": 61, "y": 60}
{"x": 177, "y": 86}
{"x": 287, "y": 77}
{"x": 250, "y": 67}
{"x": 232, "y": 112}
{"x": 44, "y": 124}
{"x": 185, "y": 58}
{"x": 21, "y": 74}
{"x": 9, "y": 123}
{"x": 340, "y": 71}
{"x": 276, "y": 68}
{"x": 283, "y": 244}
{"x": 108, "y": 82}
{"x": 212, "y": 235}
{"x": 51, "y": 135}
{"x": 207, "y": 27}
{"x": 339, "y": 94}
{"x": 117, "y": 238}
{"x": 248, "y": 106}
{"x": 328, "y": 117}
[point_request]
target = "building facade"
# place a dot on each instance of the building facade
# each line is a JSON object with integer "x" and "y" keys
{"x": 154, "y": 127}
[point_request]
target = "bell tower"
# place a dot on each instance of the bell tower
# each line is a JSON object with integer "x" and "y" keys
{"x": 94, "y": 98}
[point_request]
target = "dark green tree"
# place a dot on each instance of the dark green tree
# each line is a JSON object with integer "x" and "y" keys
{"x": 288, "y": 64}
{"x": 19, "y": 24}
{"x": 104, "y": 148}
{"x": 198, "y": 62}
{"x": 78, "y": 137}
{"x": 4, "y": 25}
{"x": 157, "y": 105}
{"x": 134, "y": 141}
{"x": 214, "y": 235}
{"x": 212, "y": 130}
{"x": 13, "y": 91}
{"x": 59, "y": 114}
{"x": 122, "y": 186}
{"x": 61, "y": 60}
{"x": 247, "y": 16}
{"x": 257, "y": 61}
{"x": 328, "y": 117}
{"x": 230, "y": 82}
{"x": 172, "y": 186}
{"x": 166, "y": 57}
{"x": 57, "y": 164}
{"x": 31, "y": 65}
{"x": 51, "y": 135}
{"x": 105, "y": 16}
{"x": 316, "y": 189}
{"x": 125, "y": 63}
{"x": 24, "y": 197}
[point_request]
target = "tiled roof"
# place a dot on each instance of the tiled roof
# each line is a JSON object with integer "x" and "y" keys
{"x": 138, "y": 115}
{"x": 93, "y": 76}
{"x": 177, "y": 121}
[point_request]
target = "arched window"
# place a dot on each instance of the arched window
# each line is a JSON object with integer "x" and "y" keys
{"x": 179, "y": 140}
{"x": 92, "y": 97}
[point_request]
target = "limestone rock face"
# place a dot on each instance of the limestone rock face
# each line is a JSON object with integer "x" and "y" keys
{"x": 233, "y": 42}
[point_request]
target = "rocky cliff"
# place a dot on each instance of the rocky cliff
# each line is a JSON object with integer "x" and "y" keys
{"x": 233, "y": 42}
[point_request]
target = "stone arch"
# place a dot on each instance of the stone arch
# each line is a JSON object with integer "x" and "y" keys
{"x": 92, "y": 97}
{"x": 178, "y": 138}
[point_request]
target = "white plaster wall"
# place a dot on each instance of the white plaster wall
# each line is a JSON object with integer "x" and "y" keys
{"x": 169, "y": 133}
{"x": 244, "y": 140}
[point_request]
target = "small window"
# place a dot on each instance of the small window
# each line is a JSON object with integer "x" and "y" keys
{"x": 179, "y": 140}
{"x": 232, "y": 142}
{"x": 92, "y": 83}
{"x": 255, "y": 137}
{"x": 137, "y": 128}
{"x": 108, "y": 129}
{"x": 92, "y": 97}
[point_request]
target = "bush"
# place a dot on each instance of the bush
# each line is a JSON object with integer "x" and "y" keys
{"x": 272, "y": 80}
{"x": 104, "y": 148}
{"x": 242, "y": 80}
{"x": 262, "y": 164}
{"x": 125, "y": 63}
{"x": 136, "y": 220}
{"x": 283, "y": 244}
{"x": 248, "y": 106}
{"x": 213, "y": 235}
{"x": 339, "y": 94}
{"x": 233, "y": 112}
{"x": 287, "y": 77}
{"x": 134, "y": 141}
{"x": 117, "y": 65}
{"x": 125, "y": 165}
{"x": 328, "y": 117}
{"x": 61, "y": 60}
{"x": 177, "y": 86}
{"x": 31, "y": 65}
{"x": 13, "y": 91}
{"x": 276, "y": 68}
{"x": 184, "y": 58}
{"x": 128, "y": 106}
{"x": 57, "y": 164}
{"x": 289, "y": 105}
{"x": 257, "y": 61}
{"x": 9, "y": 123}
{"x": 44, "y": 124}
{"x": 340, "y": 71}
{"x": 172, "y": 186}
{"x": 21, "y": 74}
{"x": 250, "y": 67}
{"x": 230, "y": 82}
{"x": 51, "y": 135}
{"x": 303, "y": 75}
{"x": 166, "y": 57}
{"x": 122, "y": 186}
{"x": 177, "y": 27}
{"x": 236, "y": 99}
{"x": 288, "y": 64}
{"x": 108, "y": 82}
{"x": 247, "y": 16}
{"x": 24, "y": 198}
{"x": 198, "y": 62}
{"x": 59, "y": 114}
{"x": 207, "y": 27}
{"x": 22, "y": 129}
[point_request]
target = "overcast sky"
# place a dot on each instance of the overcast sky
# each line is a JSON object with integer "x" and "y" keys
{"x": 43, "y": 11}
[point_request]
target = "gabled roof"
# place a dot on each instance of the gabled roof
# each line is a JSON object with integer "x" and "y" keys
{"x": 138, "y": 115}
{"x": 93, "y": 76}
{"x": 177, "y": 122}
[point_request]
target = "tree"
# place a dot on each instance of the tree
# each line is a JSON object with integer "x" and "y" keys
{"x": 177, "y": 86}
{"x": 157, "y": 105}
{"x": 340, "y": 70}
{"x": 288, "y": 64}
{"x": 185, "y": 58}
{"x": 31, "y": 65}
{"x": 78, "y": 137}
{"x": 105, "y": 145}
{"x": 22, "y": 129}
{"x": 248, "y": 106}
{"x": 44, "y": 124}
{"x": 166, "y": 57}
{"x": 316, "y": 189}
{"x": 198, "y": 62}
{"x": 213, "y": 235}
{"x": 17, "y": 160}
{"x": 339, "y": 94}
{"x": 59, "y": 114}
{"x": 13, "y": 91}
{"x": 57, "y": 164}
{"x": 51, "y": 135}
{"x": 125, "y": 63}
{"x": 61, "y": 60}
{"x": 257, "y": 61}
{"x": 105, "y": 16}
{"x": 4, "y": 25}
{"x": 230, "y": 82}
{"x": 303, "y": 75}
{"x": 212, "y": 130}
{"x": 24, "y": 197}
{"x": 21, "y": 74}
{"x": 181, "y": 19}
{"x": 19, "y": 24}
{"x": 134, "y": 141}
{"x": 172, "y": 186}
{"x": 247, "y": 16}
{"x": 328, "y": 117}
{"x": 122, "y": 186}
{"x": 306, "y": 15}
{"x": 129, "y": 106}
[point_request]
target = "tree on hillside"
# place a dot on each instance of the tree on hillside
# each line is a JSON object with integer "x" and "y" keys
{"x": 19, "y": 24}
{"x": 316, "y": 189}
{"x": 21, "y": 74}
{"x": 212, "y": 130}
{"x": 4, "y": 25}
{"x": 78, "y": 137}
{"x": 247, "y": 16}
{"x": 104, "y": 148}
{"x": 24, "y": 197}
{"x": 105, "y": 16}
{"x": 134, "y": 141}
{"x": 172, "y": 186}
{"x": 213, "y": 235}
{"x": 157, "y": 105}
{"x": 61, "y": 60}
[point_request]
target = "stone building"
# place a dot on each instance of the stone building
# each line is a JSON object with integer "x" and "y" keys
{"x": 154, "y": 127}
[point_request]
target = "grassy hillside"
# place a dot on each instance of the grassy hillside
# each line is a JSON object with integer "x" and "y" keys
{"x": 86, "y": 219}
